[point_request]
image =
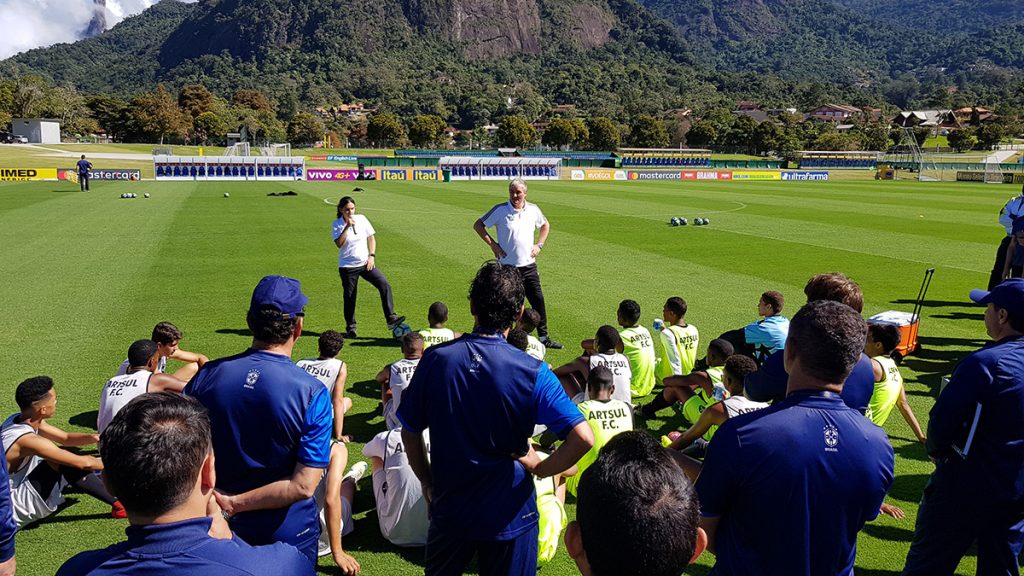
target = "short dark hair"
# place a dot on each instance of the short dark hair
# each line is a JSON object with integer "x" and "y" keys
{"x": 828, "y": 337}
{"x": 345, "y": 200}
{"x": 740, "y": 366}
{"x": 835, "y": 286}
{"x": 166, "y": 333}
{"x": 140, "y": 352}
{"x": 607, "y": 338}
{"x": 677, "y": 306}
{"x": 32, "y": 390}
{"x": 636, "y": 510}
{"x": 269, "y": 325}
{"x": 888, "y": 335}
{"x": 600, "y": 378}
{"x": 517, "y": 337}
{"x": 330, "y": 343}
{"x": 438, "y": 312}
{"x": 530, "y": 320}
{"x": 411, "y": 340}
{"x": 629, "y": 310}
{"x": 497, "y": 296}
{"x": 774, "y": 300}
{"x": 153, "y": 451}
{"x": 721, "y": 348}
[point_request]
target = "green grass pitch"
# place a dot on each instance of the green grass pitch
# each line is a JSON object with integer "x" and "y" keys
{"x": 86, "y": 274}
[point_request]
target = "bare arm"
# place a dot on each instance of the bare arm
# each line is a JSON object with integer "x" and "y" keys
{"x": 416, "y": 453}
{"x": 162, "y": 382}
{"x": 285, "y": 492}
{"x": 541, "y": 239}
{"x": 908, "y": 415}
{"x": 32, "y": 445}
{"x": 54, "y": 434}
{"x": 332, "y": 506}
{"x": 579, "y": 441}
{"x": 481, "y": 230}
{"x": 879, "y": 371}
{"x": 186, "y": 356}
{"x": 371, "y": 245}
{"x": 1010, "y": 251}
{"x": 338, "y": 402}
{"x": 713, "y": 415}
{"x": 343, "y": 237}
{"x": 581, "y": 364}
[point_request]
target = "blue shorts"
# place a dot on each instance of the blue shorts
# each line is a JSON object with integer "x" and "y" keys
{"x": 449, "y": 555}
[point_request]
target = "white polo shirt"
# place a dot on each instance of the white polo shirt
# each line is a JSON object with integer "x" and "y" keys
{"x": 514, "y": 231}
{"x": 355, "y": 251}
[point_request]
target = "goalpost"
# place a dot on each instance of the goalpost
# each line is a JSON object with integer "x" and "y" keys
{"x": 993, "y": 172}
{"x": 276, "y": 150}
{"x": 239, "y": 149}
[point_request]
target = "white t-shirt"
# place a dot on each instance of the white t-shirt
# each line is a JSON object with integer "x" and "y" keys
{"x": 161, "y": 366}
{"x": 27, "y": 505}
{"x": 400, "y": 375}
{"x": 622, "y": 376}
{"x": 401, "y": 508}
{"x": 535, "y": 348}
{"x": 355, "y": 251}
{"x": 119, "y": 391}
{"x": 325, "y": 371}
{"x": 514, "y": 231}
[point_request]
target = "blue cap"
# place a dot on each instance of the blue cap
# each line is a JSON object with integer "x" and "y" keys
{"x": 1009, "y": 296}
{"x": 280, "y": 292}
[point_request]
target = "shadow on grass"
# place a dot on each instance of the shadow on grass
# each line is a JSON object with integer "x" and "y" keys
{"x": 980, "y": 317}
{"x": 85, "y": 419}
{"x": 908, "y": 487}
{"x": 373, "y": 341}
{"x": 965, "y": 303}
{"x": 363, "y": 426}
{"x": 59, "y": 517}
{"x": 248, "y": 333}
{"x": 912, "y": 451}
{"x": 902, "y": 533}
{"x": 365, "y": 389}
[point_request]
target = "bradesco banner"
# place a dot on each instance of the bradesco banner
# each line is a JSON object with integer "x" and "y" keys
{"x": 758, "y": 175}
{"x": 114, "y": 174}
{"x": 27, "y": 174}
{"x": 800, "y": 175}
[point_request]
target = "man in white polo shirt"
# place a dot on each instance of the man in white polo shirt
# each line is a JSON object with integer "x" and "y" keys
{"x": 514, "y": 223}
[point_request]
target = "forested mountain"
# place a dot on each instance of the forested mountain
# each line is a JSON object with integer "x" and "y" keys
{"x": 945, "y": 16}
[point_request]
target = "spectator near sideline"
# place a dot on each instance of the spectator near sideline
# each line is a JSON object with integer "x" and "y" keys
{"x": 271, "y": 425}
{"x": 83, "y": 173}
{"x": 1012, "y": 210}
{"x": 481, "y": 398}
{"x": 514, "y": 223}
{"x": 810, "y": 468}
{"x": 975, "y": 436}
{"x": 769, "y": 383}
{"x": 160, "y": 463}
{"x": 636, "y": 514}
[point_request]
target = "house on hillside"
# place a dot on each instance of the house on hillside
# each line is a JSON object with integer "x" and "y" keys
{"x": 566, "y": 110}
{"x": 750, "y": 109}
{"x": 838, "y": 113}
{"x": 351, "y": 111}
{"x": 937, "y": 120}
{"x": 974, "y": 115}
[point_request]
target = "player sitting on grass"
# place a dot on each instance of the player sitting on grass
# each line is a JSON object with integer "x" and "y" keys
{"x": 401, "y": 507}
{"x": 767, "y": 335}
{"x": 696, "y": 390}
{"x": 334, "y": 497}
{"x": 160, "y": 462}
{"x": 528, "y": 322}
{"x": 736, "y": 369}
{"x": 437, "y": 317}
{"x": 606, "y": 344}
{"x": 679, "y": 340}
{"x": 333, "y": 372}
{"x": 395, "y": 377}
{"x": 519, "y": 338}
{"x": 636, "y": 515}
{"x": 168, "y": 337}
{"x": 605, "y": 415}
{"x": 638, "y": 347}
{"x": 889, "y": 391}
{"x": 551, "y": 518}
{"x": 141, "y": 378}
{"x": 39, "y": 469}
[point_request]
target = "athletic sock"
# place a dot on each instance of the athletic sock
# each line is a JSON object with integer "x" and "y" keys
{"x": 88, "y": 483}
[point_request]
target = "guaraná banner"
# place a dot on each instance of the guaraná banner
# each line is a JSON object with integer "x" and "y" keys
{"x": 27, "y": 174}
{"x": 758, "y": 175}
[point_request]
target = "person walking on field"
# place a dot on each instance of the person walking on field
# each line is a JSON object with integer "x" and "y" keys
{"x": 514, "y": 223}
{"x": 83, "y": 173}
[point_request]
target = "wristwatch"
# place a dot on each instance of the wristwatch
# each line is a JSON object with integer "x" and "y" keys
{"x": 540, "y": 245}
{"x": 372, "y": 255}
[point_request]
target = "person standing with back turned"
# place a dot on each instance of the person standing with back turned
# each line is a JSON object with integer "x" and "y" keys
{"x": 83, "y": 173}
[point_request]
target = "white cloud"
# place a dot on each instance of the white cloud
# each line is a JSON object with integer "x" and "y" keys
{"x": 28, "y": 24}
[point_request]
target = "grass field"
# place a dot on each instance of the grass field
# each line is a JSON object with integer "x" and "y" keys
{"x": 86, "y": 274}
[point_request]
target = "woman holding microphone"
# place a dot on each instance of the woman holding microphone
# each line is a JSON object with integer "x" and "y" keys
{"x": 357, "y": 245}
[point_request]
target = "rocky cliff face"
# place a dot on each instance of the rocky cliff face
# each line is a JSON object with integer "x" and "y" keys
{"x": 98, "y": 24}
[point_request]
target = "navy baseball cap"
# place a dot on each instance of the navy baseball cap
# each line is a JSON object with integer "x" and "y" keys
{"x": 280, "y": 292}
{"x": 1009, "y": 296}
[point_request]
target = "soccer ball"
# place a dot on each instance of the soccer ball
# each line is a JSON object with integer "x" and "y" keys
{"x": 400, "y": 330}
{"x": 146, "y": 195}
{"x": 132, "y": 195}
{"x": 226, "y": 195}
{"x": 683, "y": 222}
{"x": 674, "y": 221}
{"x": 706, "y": 221}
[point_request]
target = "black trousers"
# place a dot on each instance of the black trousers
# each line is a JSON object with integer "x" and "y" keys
{"x": 535, "y": 295}
{"x": 997, "y": 269}
{"x": 350, "y": 285}
{"x": 83, "y": 181}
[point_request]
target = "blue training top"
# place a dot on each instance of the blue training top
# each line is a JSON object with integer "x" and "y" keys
{"x": 769, "y": 383}
{"x": 186, "y": 548}
{"x": 792, "y": 485}
{"x": 266, "y": 415}
{"x": 481, "y": 397}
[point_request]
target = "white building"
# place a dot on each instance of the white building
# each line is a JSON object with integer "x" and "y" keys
{"x": 37, "y": 130}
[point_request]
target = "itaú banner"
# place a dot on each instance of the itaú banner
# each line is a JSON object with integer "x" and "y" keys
{"x": 27, "y": 174}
